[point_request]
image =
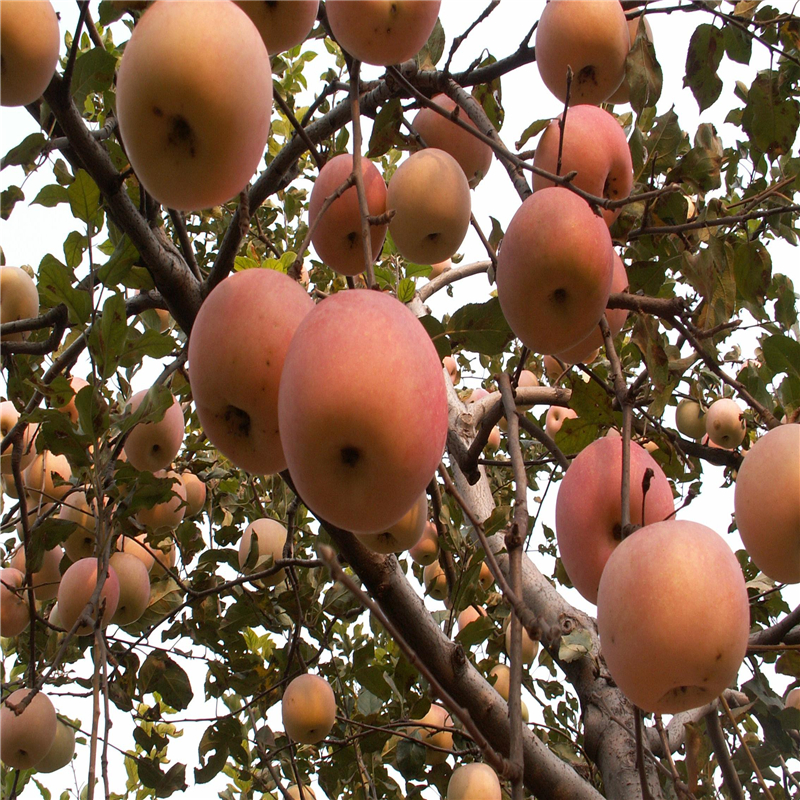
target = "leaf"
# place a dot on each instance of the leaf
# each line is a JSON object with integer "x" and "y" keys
{"x": 74, "y": 247}
{"x": 770, "y": 120}
{"x": 372, "y": 678}
{"x": 94, "y": 73}
{"x": 164, "y": 784}
{"x": 368, "y": 704}
{"x": 479, "y": 327}
{"x": 433, "y": 49}
{"x": 216, "y": 738}
{"x": 161, "y": 674}
{"x": 490, "y": 96}
{"x": 438, "y": 335}
{"x": 476, "y": 632}
{"x": 119, "y": 264}
{"x": 702, "y": 164}
{"x": 738, "y": 45}
{"x": 532, "y": 130}
{"x": 643, "y": 72}
{"x": 752, "y": 269}
{"x": 56, "y": 286}
{"x": 8, "y": 199}
{"x": 106, "y": 339}
{"x": 406, "y": 290}
{"x": 411, "y": 759}
{"x": 706, "y": 48}
{"x": 782, "y": 354}
{"x": 386, "y": 129}
{"x": 575, "y": 645}
{"x": 26, "y": 152}
{"x": 84, "y": 196}
{"x": 50, "y": 196}
{"x": 151, "y": 343}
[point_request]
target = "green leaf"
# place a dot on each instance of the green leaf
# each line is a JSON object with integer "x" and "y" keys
{"x": 575, "y": 645}
{"x": 119, "y": 264}
{"x": 437, "y": 333}
{"x": 50, "y": 196}
{"x": 411, "y": 759}
{"x": 432, "y": 50}
{"x": 752, "y": 269}
{"x": 84, "y": 196}
{"x": 161, "y": 674}
{"x": 702, "y": 164}
{"x": 151, "y": 343}
{"x": 368, "y": 704}
{"x": 781, "y": 290}
{"x": 706, "y": 48}
{"x": 106, "y": 339}
{"x": 386, "y": 129}
{"x": 372, "y": 678}
{"x": 665, "y": 139}
{"x": 56, "y": 286}
{"x": 738, "y": 45}
{"x": 406, "y": 290}
{"x": 216, "y": 738}
{"x": 532, "y": 130}
{"x": 164, "y": 784}
{"x": 480, "y": 327}
{"x": 94, "y": 73}
{"x": 643, "y": 72}
{"x": 782, "y": 354}
{"x": 771, "y": 121}
{"x": 476, "y": 632}
{"x": 74, "y": 247}
{"x": 26, "y": 152}
{"x": 8, "y": 199}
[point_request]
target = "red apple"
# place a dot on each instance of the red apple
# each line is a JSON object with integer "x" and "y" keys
{"x": 26, "y": 738}
{"x": 76, "y": 589}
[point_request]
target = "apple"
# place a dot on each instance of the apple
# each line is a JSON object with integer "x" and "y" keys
{"x": 270, "y": 539}
{"x": 439, "y": 267}
{"x": 61, "y": 751}
{"x": 81, "y": 542}
{"x": 474, "y": 782}
{"x": 555, "y": 419}
{"x": 235, "y": 388}
{"x": 553, "y": 369}
{"x": 430, "y": 195}
{"x": 530, "y": 647}
{"x": 594, "y": 146}
{"x": 195, "y": 493}
{"x": 477, "y": 394}
{"x": 793, "y": 699}
{"x": 380, "y": 32}
{"x": 25, "y": 739}
{"x": 404, "y": 534}
{"x": 473, "y": 155}
{"x": 493, "y": 442}
{"x": 14, "y": 609}
{"x": 426, "y": 550}
{"x": 452, "y": 369}
{"x": 41, "y": 475}
{"x": 165, "y": 557}
{"x": 45, "y": 581}
{"x": 435, "y": 580}
{"x": 138, "y": 546}
{"x": 8, "y": 419}
{"x": 76, "y": 589}
{"x": 362, "y": 453}
{"x": 690, "y": 419}
{"x": 589, "y": 507}
{"x": 673, "y": 616}
{"x": 623, "y": 94}
{"x": 281, "y": 23}
{"x": 151, "y": 446}
{"x": 502, "y": 680}
{"x": 134, "y": 587}
{"x": 725, "y": 424}
{"x": 469, "y": 615}
{"x": 69, "y": 409}
{"x": 766, "y": 503}
{"x": 437, "y": 716}
{"x": 557, "y": 258}
{"x": 19, "y": 297}
{"x": 591, "y": 37}
{"x": 192, "y": 129}
{"x": 485, "y": 577}
{"x": 337, "y": 236}
{"x": 308, "y": 709}
{"x": 294, "y": 792}
{"x": 165, "y": 516}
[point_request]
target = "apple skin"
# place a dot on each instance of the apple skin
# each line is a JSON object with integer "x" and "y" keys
{"x": 195, "y": 493}
{"x": 362, "y": 454}
{"x": 76, "y": 589}
{"x": 673, "y": 616}
{"x": 469, "y": 615}
{"x": 192, "y": 131}
{"x": 294, "y": 792}
{"x": 271, "y": 539}
{"x": 426, "y": 550}
{"x": 623, "y": 94}
{"x": 592, "y": 37}
{"x": 14, "y": 609}
{"x": 235, "y": 388}
{"x": 308, "y": 709}
{"x": 134, "y": 587}
{"x": 337, "y": 236}
{"x": 165, "y": 558}
{"x": 283, "y": 24}
{"x": 69, "y": 409}
{"x": 165, "y": 516}
{"x": 766, "y": 503}
{"x": 430, "y": 195}
{"x": 473, "y": 781}
{"x": 556, "y": 258}
{"x": 26, "y": 738}
{"x": 45, "y": 581}
{"x": 40, "y": 478}
{"x": 451, "y": 366}
{"x": 61, "y": 751}
{"x": 530, "y": 647}
{"x": 8, "y": 419}
{"x": 725, "y": 424}
{"x": 138, "y": 546}
{"x": 588, "y": 508}
{"x": 502, "y": 675}
{"x": 555, "y": 419}
{"x": 690, "y": 419}
{"x": 151, "y": 446}
{"x": 19, "y": 297}
{"x": 435, "y": 580}
{"x": 30, "y": 41}
{"x": 81, "y": 542}
{"x": 595, "y": 147}
{"x": 793, "y": 699}
{"x": 439, "y": 267}
{"x": 473, "y": 155}
{"x": 404, "y": 534}
{"x": 380, "y": 32}
{"x": 436, "y": 715}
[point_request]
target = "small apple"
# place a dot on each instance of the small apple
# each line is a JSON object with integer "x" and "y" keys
{"x": 404, "y": 534}
{"x": 438, "y": 717}
{"x": 25, "y": 739}
{"x": 530, "y": 647}
{"x": 168, "y": 515}
{"x": 76, "y": 384}
{"x": 76, "y": 589}
{"x": 502, "y": 679}
{"x": 165, "y": 554}
{"x": 134, "y": 587}
{"x": 61, "y": 751}
{"x": 725, "y": 424}
{"x": 19, "y": 297}
{"x": 308, "y": 709}
{"x": 14, "y": 609}
{"x": 555, "y": 419}
{"x": 793, "y": 699}
{"x": 269, "y": 538}
{"x": 45, "y": 581}
{"x": 452, "y": 369}
{"x": 469, "y": 615}
{"x": 281, "y": 23}
{"x": 439, "y": 267}
{"x": 151, "y": 446}
{"x": 435, "y": 580}
{"x": 690, "y": 419}
{"x": 426, "y": 550}
{"x": 195, "y": 493}
{"x": 474, "y": 782}
{"x": 81, "y": 542}
{"x": 493, "y": 442}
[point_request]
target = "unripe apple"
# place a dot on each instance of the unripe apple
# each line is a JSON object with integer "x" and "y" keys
{"x": 473, "y": 155}
{"x": 270, "y": 539}
{"x": 589, "y": 507}
{"x": 530, "y": 647}
{"x": 380, "y": 32}
{"x": 435, "y": 580}
{"x": 426, "y": 550}
{"x": 363, "y": 453}
{"x": 623, "y": 94}
{"x": 556, "y": 257}
{"x": 767, "y": 503}
{"x": 473, "y": 782}
{"x": 195, "y": 493}
{"x": 725, "y": 424}
{"x": 469, "y": 615}
{"x": 81, "y": 542}
{"x": 194, "y": 126}
{"x": 502, "y": 680}
{"x": 76, "y": 589}
{"x": 41, "y": 475}
{"x": 308, "y": 709}
{"x": 138, "y": 546}
{"x": 69, "y": 409}
{"x": 25, "y": 739}
{"x": 61, "y": 751}
{"x": 235, "y": 389}
{"x": 673, "y": 616}
{"x": 690, "y": 419}
{"x": 591, "y": 37}
{"x": 555, "y": 419}
{"x": 439, "y": 717}
{"x": 337, "y": 236}
{"x": 134, "y": 587}
{"x": 14, "y": 609}
{"x": 168, "y": 515}
{"x": 283, "y": 24}
{"x": 430, "y": 195}
{"x": 152, "y": 446}
{"x": 404, "y": 534}
{"x": 19, "y": 297}
{"x": 45, "y": 581}
{"x": 793, "y": 699}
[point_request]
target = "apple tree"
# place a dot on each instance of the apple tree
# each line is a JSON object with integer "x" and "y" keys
{"x": 211, "y": 601}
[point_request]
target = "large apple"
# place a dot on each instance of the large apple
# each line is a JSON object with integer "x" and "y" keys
{"x": 430, "y": 195}
{"x": 268, "y": 537}
{"x": 589, "y": 507}
{"x": 61, "y": 751}
{"x": 19, "y": 297}
{"x": 591, "y": 37}
{"x": 673, "y": 616}
{"x": 194, "y": 98}
{"x": 473, "y": 155}
{"x": 134, "y": 587}
{"x": 8, "y": 419}
{"x": 151, "y": 446}
{"x": 363, "y": 452}
{"x": 426, "y": 550}
{"x": 404, "y": 534}
{"x": 337, "y": 236}
{"x": 30, "y": 41}
{"x": 554, "y": 270}
{"x": 26, "y": 738}
{"x": 76, "y": 589}
{"x": 235, "y": 387}
{"x": 45, "y": 581}
{"x": 594, "y": 146}
{"x": 168, "y": 515}
{"x": 438, "y": 717}
{"x": 308, "y": 709}
{"x": 382, "y": 32}
{"x": 474, "y": 782}
{"x": 766, "y": 503}
{"x": 725, "y": 424}
{"x": 283, "y": 24}
{"x": 14, "y": 608}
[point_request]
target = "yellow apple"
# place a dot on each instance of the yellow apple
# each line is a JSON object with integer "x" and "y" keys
{"x": 19, "y": 297}
{"x": 426, "y": 550}
{"x": 404, "y": 534}
{"x": 435, "y": 580}
{"x": 25, "y": 739}
{"x": 502, "y": 679}
{"x": 195, "y": 493}
{"x": 81, "y": 542}
{"x": 14, "y": 609}
{"x": 61, "y": 751}
{"x": 294, "y": 792}
{"x": 134, "y": 587}
{"x": 165, "y": 554}
{"x": 530, "y": 647}
{"x": 138, "y": 546}
{"x": 270, "y": 539}
{"x": 439, "y": 267}
{"x": 283, "y": 24}
{"x": 8, "y": 419}
{"x": 690, "y": 419}
{"x": 151, "y": 446}
{"x": 76, "y": 589}
{"x": 469, "y": 615}
{"x": 725, "y": 424}
{"x": 555, "y": 419}
{"x": 76, "y": 384}
{"x": 165, "y": 516}
{"x": 474, "y": 782}
{"x": 437, "y": 716}
{"x": 41, "y": 475}
{"x": 308, "y": 709}
{"x": 45, "y": 581}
